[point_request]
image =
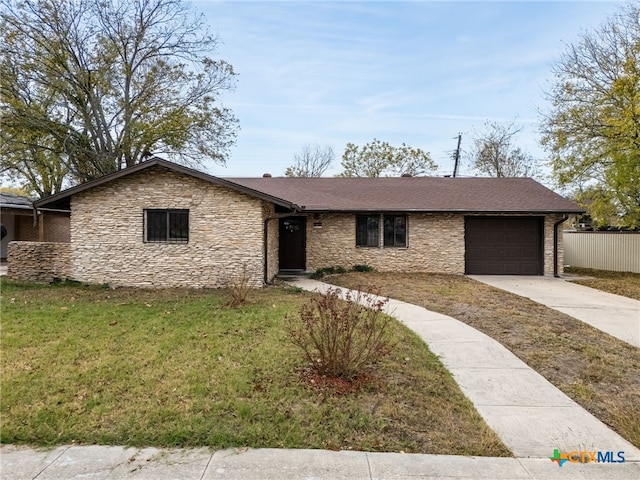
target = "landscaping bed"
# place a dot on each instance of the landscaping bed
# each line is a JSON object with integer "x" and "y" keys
{"x": 90, "y": 365}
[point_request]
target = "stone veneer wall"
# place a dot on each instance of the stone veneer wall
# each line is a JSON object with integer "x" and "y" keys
{"x": 273, "y": 236}
{"x": 107, "y": 233}
{"x": 435, "y": 244}
{"x": 548, "y": 245}
{"x": 39, "y": 261}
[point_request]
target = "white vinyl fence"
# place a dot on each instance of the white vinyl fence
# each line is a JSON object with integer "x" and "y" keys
{"x": 615, "y": 251}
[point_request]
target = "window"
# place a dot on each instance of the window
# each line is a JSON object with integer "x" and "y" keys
{"x": 395, "y": 231}
{"x": 367, "y": 231}
{"x": 166, "y": 226}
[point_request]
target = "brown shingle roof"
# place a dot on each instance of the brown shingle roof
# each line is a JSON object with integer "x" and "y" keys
{"x": 426, "y": 194}
{"x": 406, "y": 194}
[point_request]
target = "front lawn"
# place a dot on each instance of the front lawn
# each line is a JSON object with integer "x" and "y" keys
{"x": 626, "y": 284}
{"x": 181, "y": 368}
{"x": 598, "y": 371}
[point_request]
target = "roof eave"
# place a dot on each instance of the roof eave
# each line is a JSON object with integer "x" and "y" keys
{"x": 64, "y": 196}
{"x": 448, "y": 210}
{"x": 16, "y": 207}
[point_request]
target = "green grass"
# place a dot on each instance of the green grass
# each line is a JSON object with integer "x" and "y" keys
{"x": 169, "y": 368}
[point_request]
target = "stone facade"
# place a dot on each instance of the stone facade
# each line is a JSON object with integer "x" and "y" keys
{"x": 272, "y": 225}
{"x": 549, "y": 220}
{"x": 435, "y": 243}
{"x": 227, "y": 238}
{"x": 39, "y": 261}
{"x": 107, "y": 233}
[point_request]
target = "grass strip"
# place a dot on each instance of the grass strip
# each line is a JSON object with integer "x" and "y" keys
{"x": 626, "y": 284}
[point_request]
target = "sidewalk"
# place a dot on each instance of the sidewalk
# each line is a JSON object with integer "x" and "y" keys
{"x": 618, "y": 316}
{"x": 95, "y": 462}
{"x": 530, "y": 415}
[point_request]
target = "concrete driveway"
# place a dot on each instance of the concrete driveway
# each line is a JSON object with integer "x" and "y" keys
{"x": 618, "y": 316}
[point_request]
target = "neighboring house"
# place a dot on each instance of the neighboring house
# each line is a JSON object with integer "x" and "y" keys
{"x": 16, "y": 214}
{"x": 159, "y": 224}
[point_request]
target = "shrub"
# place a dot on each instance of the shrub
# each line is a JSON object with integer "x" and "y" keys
{"x": 238, "y": 285}
{"x": 362, "y": 268}
{"x": 342, "y": 337}
{"x": 322, "y": 272}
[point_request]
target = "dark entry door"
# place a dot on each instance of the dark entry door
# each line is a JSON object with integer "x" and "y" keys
{"x": 503, "y": 245}
{"x": 292, "y": 243}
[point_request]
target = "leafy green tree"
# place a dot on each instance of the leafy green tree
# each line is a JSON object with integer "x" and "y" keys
{"x": 379, "y": 159}
{"x": 593, "y": 130}
{"x": 312, "y": 161}
{"x": 92, "y": 86}
{"x": 493, "y": 153}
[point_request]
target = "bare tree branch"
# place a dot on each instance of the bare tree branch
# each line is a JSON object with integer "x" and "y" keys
{"x": 312, "y": 161}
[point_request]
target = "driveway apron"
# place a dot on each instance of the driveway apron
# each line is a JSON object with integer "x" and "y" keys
{"x": 613, "y": 314}
{"x": 529, "y": 414}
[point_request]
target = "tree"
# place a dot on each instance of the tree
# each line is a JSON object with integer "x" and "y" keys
{"x": 379, "y": 159}
{"x": 593, "y": 129}
{"x": 493, "y": 153}
{"x": 92, "y": 86}
{"x": 312, "y": 161}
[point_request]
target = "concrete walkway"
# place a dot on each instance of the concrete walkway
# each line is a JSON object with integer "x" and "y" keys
{"x": 618, "y": 316}
{"x": 96, "y": 462}
{"x": 529, "y": 414}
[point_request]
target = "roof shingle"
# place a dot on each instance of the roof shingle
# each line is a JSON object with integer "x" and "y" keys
{"x": 420, "y": 194}
{"x": 385, "y": 194}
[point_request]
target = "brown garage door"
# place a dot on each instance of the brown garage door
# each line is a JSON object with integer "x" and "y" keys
{"x": 503, "y": 245}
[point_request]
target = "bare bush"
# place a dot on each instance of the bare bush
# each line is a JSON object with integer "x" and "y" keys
{"x": 342, "y": 336}
{"x": 239, "y": 286}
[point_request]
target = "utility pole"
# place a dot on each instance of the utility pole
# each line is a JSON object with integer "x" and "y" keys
{"x": 457, "y": 156}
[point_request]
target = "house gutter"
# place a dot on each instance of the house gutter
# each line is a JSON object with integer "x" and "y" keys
{"x": 564, "y": 218}
{"x": 265, "y": 238}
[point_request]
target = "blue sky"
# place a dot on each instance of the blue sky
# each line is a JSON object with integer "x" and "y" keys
{"x": 333, "y": 72}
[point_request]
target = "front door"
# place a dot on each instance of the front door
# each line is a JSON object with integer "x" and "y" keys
{"x": 292, "y": 243}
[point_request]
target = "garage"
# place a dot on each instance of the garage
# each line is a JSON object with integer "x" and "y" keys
{"x": 503, "y": 245}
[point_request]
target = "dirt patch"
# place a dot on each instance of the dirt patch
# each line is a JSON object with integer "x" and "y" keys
{"x": 336, "y": 386}
{"x": 598, "y": 371}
